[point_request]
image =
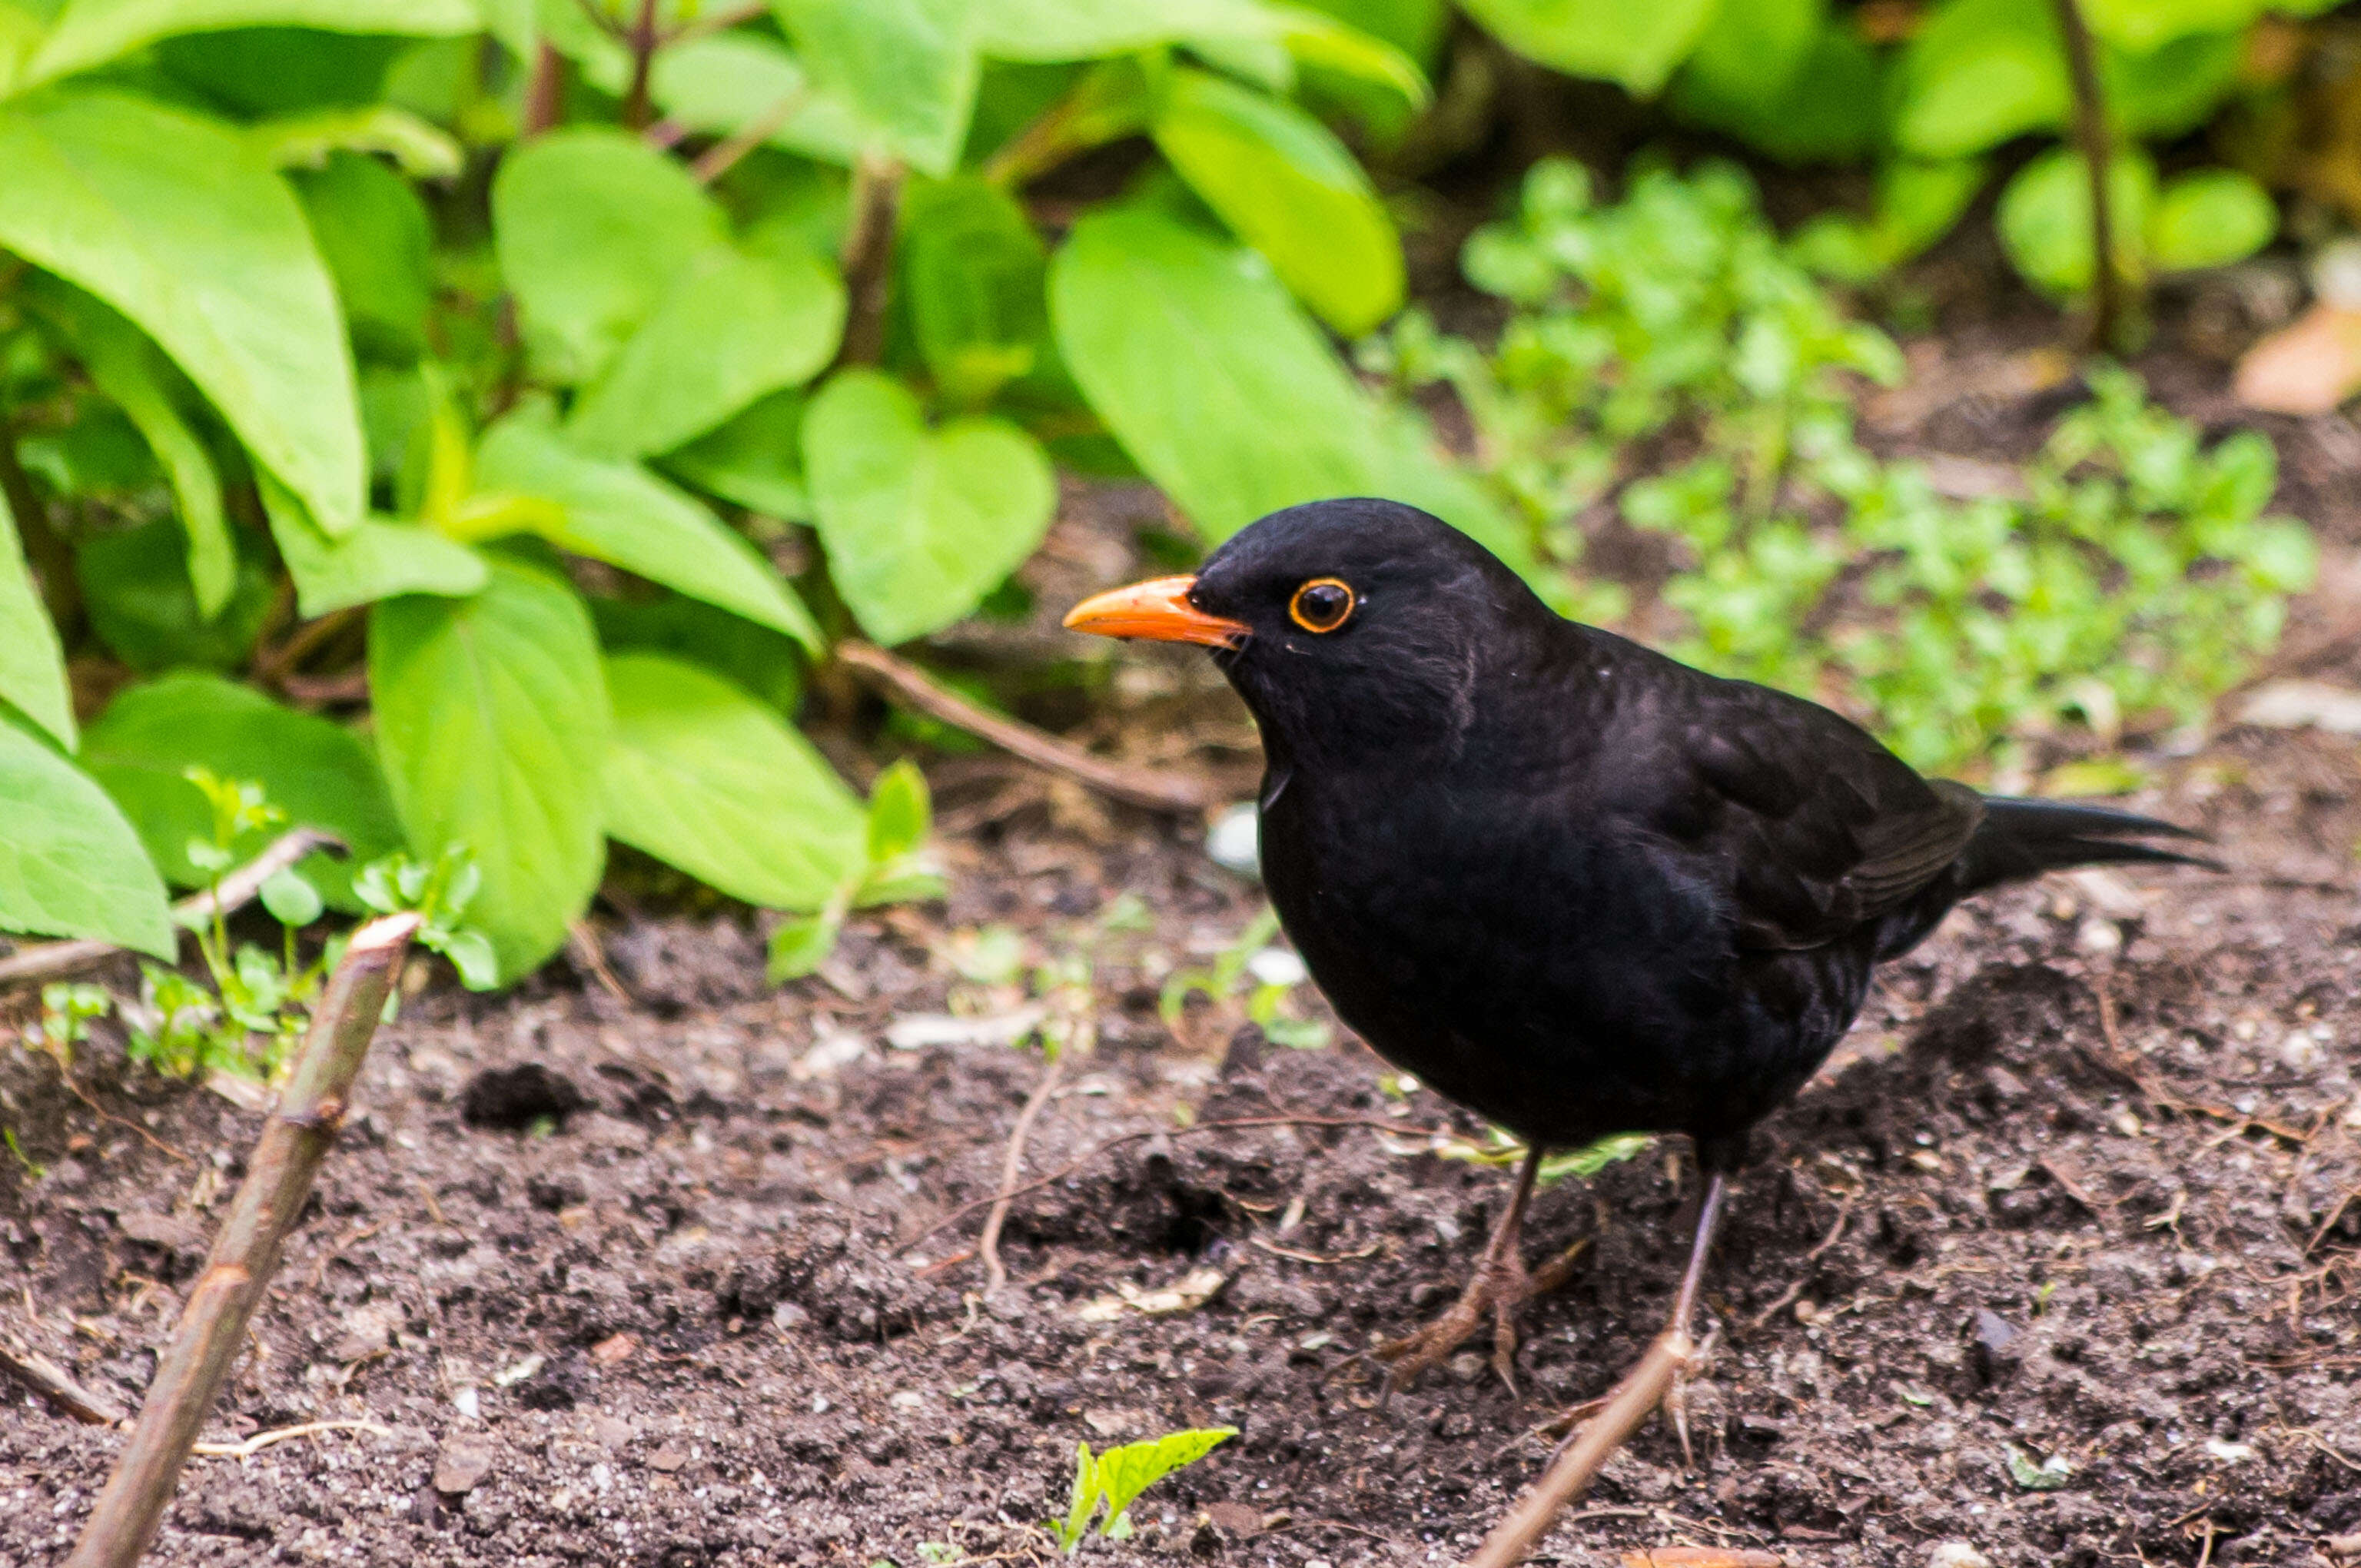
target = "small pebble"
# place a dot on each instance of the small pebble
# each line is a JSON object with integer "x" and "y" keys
{"x": 1235, "y": 842}
{"x": 1466, "y": 1367}
{"x": 2099, "y": 938}
{"x": 1956, "y": 1554}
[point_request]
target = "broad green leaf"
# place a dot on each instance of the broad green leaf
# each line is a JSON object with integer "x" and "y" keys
{"x": 1827, "y": 109}
{"x": 593, "y": 228}
{"x": 2144, "y": 25}
{"x": 2211, "y": 218}
{"x": 1747, "y": 56}
{"x": 493, "y": 723}
{"x": 1124, "y": 1473}
{"x": 2173, "y": 90}
{"x": 1194, "y": 356}
{"x": 320, "y": 773}
{"x": 906, "y": 68}
{"x": 2045, "y": 218}
{"x": 176, "y": 222}
{"x": 1634, "y": 42}
{"x": 1978, "y": 72}
{"x": 705, "y": 778}
{"x": 374, "y": 233}
{"x": 723, "y": 82}
{"x": 972, "y": 271}
{"x": 69, "y": 864}
{"x": 901, "y": 813}
{"x": 123, "y": 366}
{"x": 616, "y": 511}
{"x": 378, "y": 559}
{"x": 755, "y": 460}
{"x": 767, "y": 663}
{"x": 32, "y": 664}
{"x": 734, "y": 327}
{"x": 92, "y": 32}
{"x": 135, "y": 584}
{"x": 1289, "y": 188}
{"x": 919, "y": 524}
{"x": 1048, "y": 30}
{"x": 423, "y": 150}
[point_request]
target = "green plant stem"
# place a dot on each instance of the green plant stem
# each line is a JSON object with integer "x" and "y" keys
{"x": 2108, "y": 298}
{"x": 868, "y": 255}
{"x": 724, "y": 155}
{"x": 280, "y": 1173}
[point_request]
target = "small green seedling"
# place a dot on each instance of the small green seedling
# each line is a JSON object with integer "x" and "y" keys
{"x": 1268, "y": 974}
{"x": 67, "y": 1008}
{"x": 895, "y": 870}
{"x": 1500, "y": 1148}
{"x": 439, "y": 895}
{"x": 1119, "y": 1475}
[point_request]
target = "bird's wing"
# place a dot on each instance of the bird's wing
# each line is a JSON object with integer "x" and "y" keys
{"x": 1817, "y": 829}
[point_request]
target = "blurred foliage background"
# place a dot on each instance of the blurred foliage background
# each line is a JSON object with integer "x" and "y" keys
{"x": 461, "y": 426}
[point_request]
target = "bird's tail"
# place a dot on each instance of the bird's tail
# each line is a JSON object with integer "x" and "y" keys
{"x": 2019, "y": 839}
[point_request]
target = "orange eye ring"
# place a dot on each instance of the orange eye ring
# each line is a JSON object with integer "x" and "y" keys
{"x": 1323, "y": 604}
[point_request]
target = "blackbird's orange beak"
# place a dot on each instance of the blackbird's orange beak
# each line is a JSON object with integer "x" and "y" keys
{"x": 1158, "y": 609}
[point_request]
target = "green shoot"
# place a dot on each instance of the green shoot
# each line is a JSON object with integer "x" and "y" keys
{"x": 439, "y": 894}
{"x": 896, "y": 869}
{"x": 1268, "y": 975}
{"x": 1118, "y": 1476}
{"x": 1500, "y": 1147}
{"x": 67, "y": 1008}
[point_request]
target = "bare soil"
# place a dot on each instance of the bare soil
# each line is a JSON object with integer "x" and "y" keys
{"x": 2058, "y": 1259}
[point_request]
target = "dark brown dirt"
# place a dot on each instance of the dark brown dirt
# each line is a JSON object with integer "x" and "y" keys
{"x": 657, "y": 1279}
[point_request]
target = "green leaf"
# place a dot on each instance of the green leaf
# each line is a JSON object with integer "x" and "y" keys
{"x": 2173, "y": 90}
{"x": 292, "y": 901}
{"x": 135, "y": 583}
{"x": 374, "y": 233}
{"x": 724, "y": 83}
{"x": 619, "y": 513}
{"x": 378, "y": 559}
{"x": 755, "y": 460}
{"x": 492, "y": 723}
{"x": 423, "y": 150}
{"x": 123, "y": 365}
{"x": 1289, "y": 188}
{"x": 2144, "y": 25}
{"x": 1198, "y": 361}
{"x": 2211, "y": 218}
{"x": 593, "y": 228}
{"x": 176, "y": 222}
{"x": 1634, "y": 42}
{"x": 69, "y": 864}
{"x": 317, "y": 771}
{"x": 2045, "y": 218}
{"x": 92, "y": 32}
{"x": 1047, "y": 30}
{"x": 972, "y": 271}
{"x": 32, "y": 664}
{"x": 1122, "y": 1473}
{"x": 802, "y": 945}
{"x": 734, "y": 327}
{"x": 919, "y": 524}
{"x": 1978, "y": 72}
{"x": 1747, "y": 56}
{"x": 705, "y": 778}
{"x": 901, "y": 813}
{"x": 906, "y": 67}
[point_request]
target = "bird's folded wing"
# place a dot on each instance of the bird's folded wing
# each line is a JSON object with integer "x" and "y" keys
{"x": 1823, "y": 828}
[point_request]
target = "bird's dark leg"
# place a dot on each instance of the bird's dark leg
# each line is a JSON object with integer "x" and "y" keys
{"x": 1501, "y": 1286}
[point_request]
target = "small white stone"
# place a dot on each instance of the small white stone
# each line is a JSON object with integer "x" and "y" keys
{"x": 1236, "y": 841}
{"x": 2099, "y": 938}
{"x": 1956, "y": 1554}
{"x": 1276, "y": 966}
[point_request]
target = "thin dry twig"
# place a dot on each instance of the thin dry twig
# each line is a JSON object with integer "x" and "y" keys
{"x": 40, "y": 1376}
{"x": 49, "y": 961}
{"x": 262, "y": 1440}
{"x": 212, "y": 1326}
{"x": 724, "y": 155}
{"x": 995, "y": 1274}
{"x": 1157, "y": 790}
{"x": 956, "y": 1215}
{"x": 1634, "y": 1399}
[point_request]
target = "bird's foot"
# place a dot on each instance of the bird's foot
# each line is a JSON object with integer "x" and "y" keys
{"x": 1499, "y": 1290}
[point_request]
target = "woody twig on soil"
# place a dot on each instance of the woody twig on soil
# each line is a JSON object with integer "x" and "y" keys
{"x": 1141, "y": 786}
{"x": 279, "y": 1179}
{"x": 40, "y": 1376}
{"x": 995, "y": 1274}
{"x": 49, "y": 961}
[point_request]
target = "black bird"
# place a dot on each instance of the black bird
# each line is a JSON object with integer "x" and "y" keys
{"x": 1564, "y": 880}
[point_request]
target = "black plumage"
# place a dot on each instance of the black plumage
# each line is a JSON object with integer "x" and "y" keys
{"x": 1566, "y": 881}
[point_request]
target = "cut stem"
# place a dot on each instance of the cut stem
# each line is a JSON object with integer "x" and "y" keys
{"x": 2108, "y": 297}
{"x": 278, "y": 1178}
{"x": 644, "y": 42}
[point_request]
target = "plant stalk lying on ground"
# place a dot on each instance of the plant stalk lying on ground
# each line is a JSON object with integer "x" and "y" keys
{"x": 278, "y": 1178}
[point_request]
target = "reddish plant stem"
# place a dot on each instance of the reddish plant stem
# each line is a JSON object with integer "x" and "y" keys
{"x": 2108, "y": 299}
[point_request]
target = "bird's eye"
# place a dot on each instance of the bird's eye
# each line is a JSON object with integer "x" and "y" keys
{"x": 1323, "y": 604}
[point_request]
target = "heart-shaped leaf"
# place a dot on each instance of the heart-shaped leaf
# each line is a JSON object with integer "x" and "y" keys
{"x": 69, "y": 864}
{"x": 919, "y": 524}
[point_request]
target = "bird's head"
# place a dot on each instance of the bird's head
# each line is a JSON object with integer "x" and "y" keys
{"x": 1345, "y": 624}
